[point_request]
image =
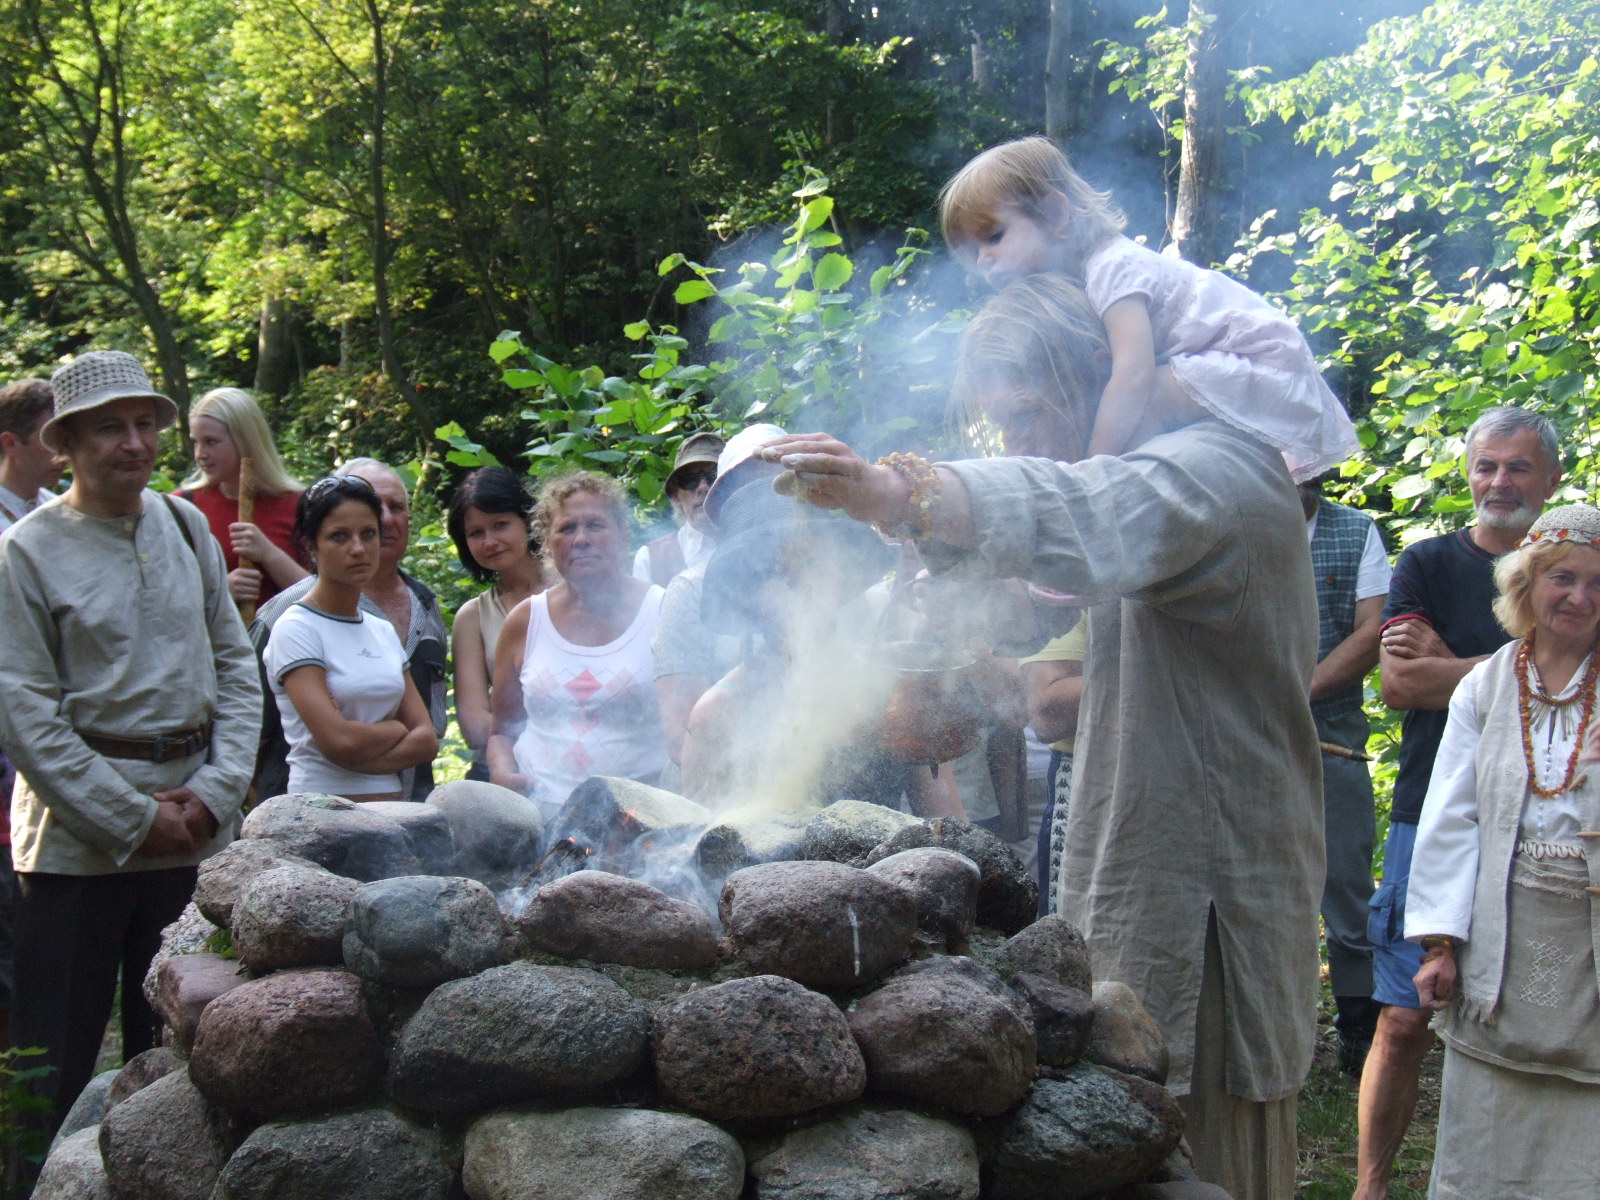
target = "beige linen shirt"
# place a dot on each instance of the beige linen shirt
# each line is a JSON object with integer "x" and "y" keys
{"x": 1197, "y": 783}
{"x": 113, "y": 625}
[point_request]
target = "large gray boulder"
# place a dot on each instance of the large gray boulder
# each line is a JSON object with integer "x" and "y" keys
{"x": 749, "y": 836}
{"x": 516, "y": 1033}
{"x": 1084, "y": 1133}
{"x": 604, "y": 810}
{"x": 947, "y": 1031}
{"x": 869, "y": 1152}
{"x": 610, "y": 918}
{"x": 185, "y": 983}
{"x": 1051, "y": 947}
{"x": 822, "y": 924}
{"x": 849, "y": 830}
{"x": 370, "y": 1154}
{"x": 496, "y": 832}
{"x": 164, "y": 1143}
{"x": 945, "y": 885}
{"x": 1008, "y": 894}
{"x": 427, "y": 829}
{"x": 74, "y": 1170}
{"x": 1063, "y": 1017}
{"x": 602, "y": 1154}
{"x": 87, "y": 1110}
{"x": 140, "y": 1071}
{"x": 291, "y": 1043}
{"x": 223, "y": 876}
{"x": 292, "y": 916}
{"x": 347, "y": 838}
{"x": 753, "y": 1048}
{"x": 419, "y": 931}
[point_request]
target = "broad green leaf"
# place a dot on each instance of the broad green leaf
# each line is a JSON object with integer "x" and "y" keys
{"x": 833, "y": 272}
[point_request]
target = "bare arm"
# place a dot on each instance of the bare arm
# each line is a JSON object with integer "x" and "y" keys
{"x": 420, "y": 743}
{"x": 343, "y": 742}
{"x": 1055, "y": 694}
{"x": 249, "y": 542}
{"x": 1133, "y": 372}
{"x": 706, "y": 740}
{"x": 510, "y": 713}
{"x": 1347, "y": 664}
{"x": 1418, "y": 669}
{"x": 677, "y": 694}
{"x": 472, "y": 668}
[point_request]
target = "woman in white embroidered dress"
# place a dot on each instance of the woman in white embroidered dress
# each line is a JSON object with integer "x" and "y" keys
{"x": 573, "y": 680}
{"x": 1504, "y": 885}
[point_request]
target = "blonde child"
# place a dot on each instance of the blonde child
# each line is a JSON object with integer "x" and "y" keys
{"x": 1019, "y": 209}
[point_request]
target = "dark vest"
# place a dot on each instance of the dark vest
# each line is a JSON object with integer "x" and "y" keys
{"x": 1335, "y": 562}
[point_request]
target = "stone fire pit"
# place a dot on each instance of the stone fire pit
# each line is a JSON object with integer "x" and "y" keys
{"x": 376, "y": 1001}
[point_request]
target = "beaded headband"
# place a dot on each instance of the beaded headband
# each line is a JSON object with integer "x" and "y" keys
{"x": 1568, "y": 523}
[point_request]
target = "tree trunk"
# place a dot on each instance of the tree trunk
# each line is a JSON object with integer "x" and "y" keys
{"x": 389, "y": 350}
{"x": 1068, "y": 72}
{"x": 275, "y": 351}
{"x": 1198, "y": 222}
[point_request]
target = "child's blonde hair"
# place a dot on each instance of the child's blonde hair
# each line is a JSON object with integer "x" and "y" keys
{"x": 1042, "y": 334}
{"x": 1025, "y": 174}
{"x": 236, "y": 410}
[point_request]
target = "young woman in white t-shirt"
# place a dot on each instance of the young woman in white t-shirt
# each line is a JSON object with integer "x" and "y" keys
{"x": 351, "y": 713}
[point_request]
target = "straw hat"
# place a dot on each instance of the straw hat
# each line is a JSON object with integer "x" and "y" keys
{"x": 97, "y": 378}
{"x": 697, "y": 448}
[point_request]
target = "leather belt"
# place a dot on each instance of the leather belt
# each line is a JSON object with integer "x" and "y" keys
{"x": 163, "y": 748}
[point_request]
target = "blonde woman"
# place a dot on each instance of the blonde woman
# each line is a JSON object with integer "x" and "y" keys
{"x": 226, "y": 426}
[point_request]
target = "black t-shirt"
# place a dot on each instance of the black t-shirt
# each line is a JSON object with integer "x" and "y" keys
{"x": 1449, "y": 581}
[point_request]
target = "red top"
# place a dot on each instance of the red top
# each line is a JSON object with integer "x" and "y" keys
{"x": 274, "y": 516}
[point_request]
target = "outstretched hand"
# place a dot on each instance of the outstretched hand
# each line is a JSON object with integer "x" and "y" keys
{"x": 834, "y": 476}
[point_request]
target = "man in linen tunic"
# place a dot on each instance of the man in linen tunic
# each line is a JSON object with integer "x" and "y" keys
{"x": 1194, "y": 858}
{"x": 117, "y": 626}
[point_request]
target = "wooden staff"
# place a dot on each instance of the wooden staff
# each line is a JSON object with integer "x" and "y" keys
{"x": 1344, "y": 752}
{"x": 247, "y": 513}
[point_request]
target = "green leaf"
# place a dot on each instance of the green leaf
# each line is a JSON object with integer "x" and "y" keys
{"x": 521, "y": 378}
{"x": 814, "y": 212}
{"x": 691, "y": 290}
{"x": 504, "y": 346}
{"x": 833, "y": 272}
{"x": 636, "y": 331}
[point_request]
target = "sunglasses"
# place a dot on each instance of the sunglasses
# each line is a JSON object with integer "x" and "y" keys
{"x": 331, "y": 483}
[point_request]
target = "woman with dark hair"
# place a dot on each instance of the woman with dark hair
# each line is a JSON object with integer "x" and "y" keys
{"x": 491, "y": 522}
{"x": 572, "y": 674}
{"x": 351, "y": 714}
{"x": 1503, "y": 881}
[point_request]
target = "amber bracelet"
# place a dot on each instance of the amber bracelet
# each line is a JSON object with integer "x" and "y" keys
{"x": 1438, "y": 941}
{"x": 922, "y": 500}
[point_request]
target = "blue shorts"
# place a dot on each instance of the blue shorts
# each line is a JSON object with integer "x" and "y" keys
{"x": 1395, "y": 961}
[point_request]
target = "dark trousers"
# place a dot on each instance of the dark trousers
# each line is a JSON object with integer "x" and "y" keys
{"x": 74, "y": 934}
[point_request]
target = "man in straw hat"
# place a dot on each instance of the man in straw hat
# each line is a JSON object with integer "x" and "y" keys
{"x": 131, "y": 711}
{"x": 694, "y": 470}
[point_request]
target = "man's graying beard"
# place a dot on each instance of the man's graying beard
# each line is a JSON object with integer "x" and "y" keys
{"x": 1520, "y": 517}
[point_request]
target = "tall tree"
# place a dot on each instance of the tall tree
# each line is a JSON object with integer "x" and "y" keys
{"x": 1215, "y": 39}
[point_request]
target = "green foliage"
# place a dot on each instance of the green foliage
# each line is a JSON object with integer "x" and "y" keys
{"x": 802, "y": 336}
{"x": 1454, "y": 268}
{"x": 20, "y": 1143}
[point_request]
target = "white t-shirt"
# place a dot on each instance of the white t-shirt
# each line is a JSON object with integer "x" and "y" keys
{"x": 365, "y": 665}
{"x": 591, "y": 709}
{"x": 695, "y": 546}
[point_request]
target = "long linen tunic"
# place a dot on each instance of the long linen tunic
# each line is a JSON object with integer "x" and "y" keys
{"x": 1197, "y": 782}
{"x": 115, "y": 626}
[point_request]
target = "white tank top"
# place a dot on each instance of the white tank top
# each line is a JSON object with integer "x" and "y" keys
{"x": 591, "y": 709}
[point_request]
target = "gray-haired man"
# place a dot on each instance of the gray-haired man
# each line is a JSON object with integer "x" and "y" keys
{"x": 1437, "y": 625}
{"x": 131, "y": 710}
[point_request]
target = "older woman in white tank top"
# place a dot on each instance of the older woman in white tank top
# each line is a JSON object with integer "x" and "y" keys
{"x": 573, "y": 691}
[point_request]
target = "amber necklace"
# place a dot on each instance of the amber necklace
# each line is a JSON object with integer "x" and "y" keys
{"x": 1526, "y": 694}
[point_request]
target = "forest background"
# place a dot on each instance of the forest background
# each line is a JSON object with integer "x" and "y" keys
{"x": 446, "y": 232}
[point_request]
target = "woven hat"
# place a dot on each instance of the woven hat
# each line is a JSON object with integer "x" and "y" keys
{"x": 97, "y": 378}
{"x": 697, "y": 449}
{"x": 1567, "y": 523}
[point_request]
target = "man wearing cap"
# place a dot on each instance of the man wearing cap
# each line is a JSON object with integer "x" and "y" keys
{"x": 1438, "y": 623}
{"x": 694, "y": 470}
{"x": 131, "y": 711}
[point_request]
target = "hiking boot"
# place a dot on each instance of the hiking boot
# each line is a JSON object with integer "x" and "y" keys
{"x": 1356, "y": 1021}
